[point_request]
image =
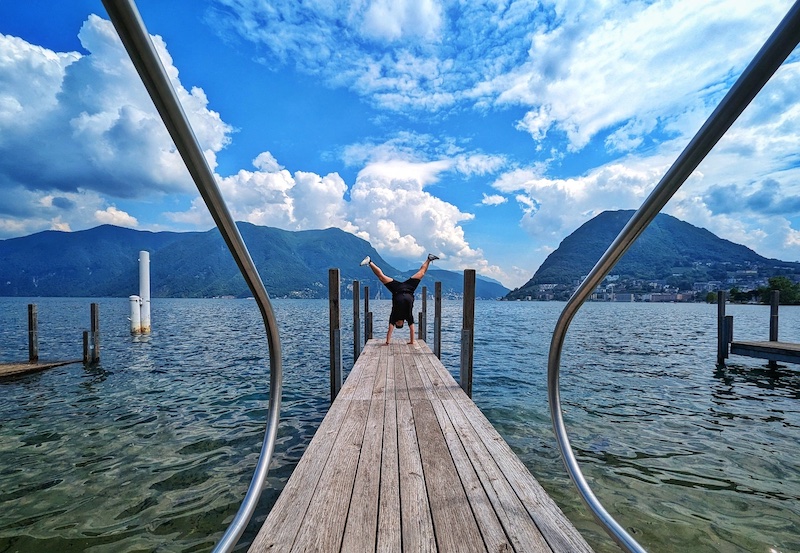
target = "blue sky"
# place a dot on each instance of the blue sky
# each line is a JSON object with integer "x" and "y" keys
{"x": 485, "y": 132}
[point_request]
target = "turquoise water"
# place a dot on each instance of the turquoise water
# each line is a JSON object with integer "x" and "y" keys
{"x": 153, "y": 449}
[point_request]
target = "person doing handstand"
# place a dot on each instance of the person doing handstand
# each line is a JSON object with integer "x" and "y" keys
{"x": 402, "y": 296}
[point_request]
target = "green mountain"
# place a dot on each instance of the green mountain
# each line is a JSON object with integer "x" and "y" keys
{"x": 103, "y": 262}
{"x": 668, "y": 249}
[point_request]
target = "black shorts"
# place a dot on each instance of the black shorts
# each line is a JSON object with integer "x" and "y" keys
{"x": 402, "y": 300}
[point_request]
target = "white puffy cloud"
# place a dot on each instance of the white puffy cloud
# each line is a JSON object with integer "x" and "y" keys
{"x": 85, "y": 122}
{"x": 494, "y": 199}
{"x": 113, "y": 216}
{"x": 391, "y": 20}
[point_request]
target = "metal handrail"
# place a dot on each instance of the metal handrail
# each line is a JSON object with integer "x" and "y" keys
{"x": 131, "y": 29}
{"x": 774, "y": 52}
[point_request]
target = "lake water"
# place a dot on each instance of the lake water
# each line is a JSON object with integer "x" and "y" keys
{"x": 153, "y": 449}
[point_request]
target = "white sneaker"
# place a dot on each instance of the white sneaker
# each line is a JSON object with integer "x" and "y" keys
{"x": 432, "y": 257}
{"x": 366, "y": 261}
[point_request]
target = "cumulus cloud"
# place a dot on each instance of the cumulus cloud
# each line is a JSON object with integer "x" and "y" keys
{"x": 73, "y": 122}
{"x": 113, "y": 216}
{"x": 398, "y": 54}
{"x": 494, "y": 199}
{"x": 387, "y": 205}
{"x": 571, "y": 65}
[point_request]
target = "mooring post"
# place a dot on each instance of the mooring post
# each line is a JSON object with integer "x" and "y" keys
{"x": 335, "y": 332}
{"x": 774, "y": 301}
{"x": 33, "y": 333}
{"x": 86, "y": 354}
{"x": 95, "y": 332}
{"x": 144, "y": 291}
{"x": 728, "y": 334}
{"x": 437, "y": 319}
{"x": 423, "y": 316}
{"x": 136, "y": 314}
{"x": 367, "y": 317}
{"x": 722, "y": 334}
{"x": 467, "y": 331}
{"x": 356, "y": 321}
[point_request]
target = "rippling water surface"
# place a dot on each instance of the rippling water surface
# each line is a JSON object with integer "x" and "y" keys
{"x": 153, "y": 449}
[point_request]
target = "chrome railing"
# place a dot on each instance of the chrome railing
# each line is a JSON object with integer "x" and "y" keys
{"x": 131, "y": 29}
{"x": 774, "y": 52}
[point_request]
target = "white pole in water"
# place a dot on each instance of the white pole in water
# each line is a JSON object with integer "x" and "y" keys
{"x": 136, "y": 320}
{"x": 144, "y": 290}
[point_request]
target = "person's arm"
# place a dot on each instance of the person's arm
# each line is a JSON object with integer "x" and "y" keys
{"x": 389, "y": 333}
{"x": 411, "y": 330}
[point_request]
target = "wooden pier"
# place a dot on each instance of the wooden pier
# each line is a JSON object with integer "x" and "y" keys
{"x": 405, "y": 461}
{"x": 773, "y": 350}
{"x": 17, "y": 369}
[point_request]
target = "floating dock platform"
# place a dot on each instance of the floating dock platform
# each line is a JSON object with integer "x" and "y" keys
{"x": 405, "y": 461}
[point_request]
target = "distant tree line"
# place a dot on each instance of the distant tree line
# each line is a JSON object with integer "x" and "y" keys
{"x": 790, "y": 292}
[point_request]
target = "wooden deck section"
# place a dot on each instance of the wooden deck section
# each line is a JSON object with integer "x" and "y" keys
{"x": 405, "y": 461}
{"x": 775, "y": 351}
{"x": 16, "y": 369}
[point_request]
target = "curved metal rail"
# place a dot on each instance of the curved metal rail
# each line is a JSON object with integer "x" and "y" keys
{"x": 131, "y": 29}
{"x": 777, "y": 48}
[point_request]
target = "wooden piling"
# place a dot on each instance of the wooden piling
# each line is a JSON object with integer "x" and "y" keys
{"x": 467, "y": 331}
{"x": 722, "y": 341}
{"x": 86, "y": 350}
{"x": 774, "y": 301}
{"x": 356, "y": 320}
{"x": 423, "y": 316}
{"x": 95, "y": 332}
{"x": 334, "y": 304}
{"x": 33, "y": 333}
{"x": 367, "y": 317}
{"x": 437, "y": 319}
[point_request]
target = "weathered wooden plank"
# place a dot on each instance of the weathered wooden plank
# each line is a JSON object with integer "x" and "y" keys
{"x": 364, "y": 371}
{"x": 456, "y": 527}
{"x": 323, "y": 526}
{"x": 280, "y": 529}
{"x": 389, "y": 538}
{"x": 415, "y": 516}
{"x": 362, "y": 520}
{"x": 491, "y": 529}
{"x": 520, "y": 529}
{"x": 556, "y": 528}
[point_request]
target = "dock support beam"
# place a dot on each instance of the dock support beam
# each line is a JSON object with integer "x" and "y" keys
{"x": 334, "y": 294}
{"x": 437, "y": 319}
{"x": 467, "y": 331}
{"x": 356, "y": 320}
{"x": 33, "y": 333}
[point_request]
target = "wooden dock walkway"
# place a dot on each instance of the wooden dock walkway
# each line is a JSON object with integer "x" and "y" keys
{"x": 405, "y": 461}
{"x": 16, "y": 369}
{"x": 786, "y": 352}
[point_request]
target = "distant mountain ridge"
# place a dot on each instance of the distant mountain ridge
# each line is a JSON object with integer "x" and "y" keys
{"x": 667, "y": 248}
{"x": 103, "y": 262}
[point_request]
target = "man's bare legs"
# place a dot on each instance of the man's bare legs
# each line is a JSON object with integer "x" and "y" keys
{"x": 385, "y": 280}
{"x": 377, "y": 270}
{"x": 424, "y": 269}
